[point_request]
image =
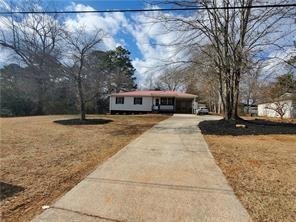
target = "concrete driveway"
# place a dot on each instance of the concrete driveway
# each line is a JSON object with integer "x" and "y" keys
{"x": 167, "y": 174}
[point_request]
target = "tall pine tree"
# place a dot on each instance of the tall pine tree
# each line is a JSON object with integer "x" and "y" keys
{"x": 121, "y": 75}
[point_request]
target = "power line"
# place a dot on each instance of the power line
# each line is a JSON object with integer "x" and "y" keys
{"x": 149, "y": 10}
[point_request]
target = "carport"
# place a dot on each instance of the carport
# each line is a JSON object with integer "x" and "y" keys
{"x": 184, "y": 105}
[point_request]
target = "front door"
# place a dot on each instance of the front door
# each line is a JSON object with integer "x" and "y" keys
{"x": 156, "y": 102}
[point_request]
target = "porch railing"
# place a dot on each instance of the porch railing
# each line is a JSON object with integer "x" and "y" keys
{"x": 163, "y": 108}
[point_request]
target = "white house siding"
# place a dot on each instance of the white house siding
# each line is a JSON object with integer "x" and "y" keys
{"x": 290, "y": 113}
{"x": 129, "y": 104}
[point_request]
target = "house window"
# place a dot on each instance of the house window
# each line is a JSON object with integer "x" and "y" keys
{"x": 170, "y": 101}
{"x": 119, "y": 100}
{"x": 138, "y": 100}
{"x": 163, "y": 101}
{"x": 167, "y": 101}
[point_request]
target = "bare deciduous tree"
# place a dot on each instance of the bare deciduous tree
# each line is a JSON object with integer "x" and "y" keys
{"x": 250, "y": 85}
{"x": 280, "y": 108}
{"x": 234, "y": 36}
{"x": 79, "y": 45}
{"x": 171, "y": 79}
{"x": 202, "y": 79}
{"x": 33, "y": 40}
{"x": 53, "y": 61}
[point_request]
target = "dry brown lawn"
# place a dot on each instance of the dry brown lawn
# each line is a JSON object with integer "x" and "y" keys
{"x": 41, "y": 159}
{"x": 260, "y": 165}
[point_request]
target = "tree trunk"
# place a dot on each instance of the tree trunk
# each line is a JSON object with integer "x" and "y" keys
{"x": 234, "y": 115}
{"x": 82, "y": 111}
{"x": 39, "y": 110}
{"x": 235, "y": 94}
{"x": 228, "y": 103}
{"x": 40, "y": 91}
{"x": 230, "y": 96}
{"x": 81, "y": 99}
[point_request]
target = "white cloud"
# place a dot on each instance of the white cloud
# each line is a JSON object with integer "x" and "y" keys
{"x": 3, "y": 57}
{"x": 110, "y": 23}
{"x": 150, "y": 38}
{"x": 276, "y": 64}
{"x": 6, "y": 57}
{"x": 155, "y": 44}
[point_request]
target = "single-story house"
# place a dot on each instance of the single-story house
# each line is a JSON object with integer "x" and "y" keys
{"x": 285, "y": 104}
{"x": 152, "y": 101}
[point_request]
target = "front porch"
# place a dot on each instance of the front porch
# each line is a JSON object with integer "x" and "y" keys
{"x": 173, "y": 105}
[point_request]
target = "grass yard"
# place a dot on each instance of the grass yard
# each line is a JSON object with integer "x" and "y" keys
{"x": 42, "y": 159}
{"x": 260, "y": 164}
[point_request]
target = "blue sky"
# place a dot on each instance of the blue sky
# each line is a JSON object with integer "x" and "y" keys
{"x": 99, "y": 4}
{"x": 129, "y": 41}
{"x": 137, "y": 32}
{"x": 108, "y": 5}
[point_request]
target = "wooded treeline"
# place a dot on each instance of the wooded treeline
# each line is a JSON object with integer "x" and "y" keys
{"x": 254, "y": 87}
{"x": 59, "y": 69}
{"x": 103, "y": 73}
